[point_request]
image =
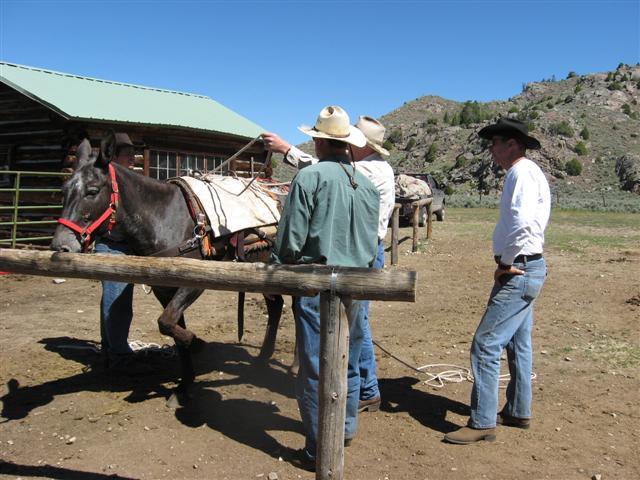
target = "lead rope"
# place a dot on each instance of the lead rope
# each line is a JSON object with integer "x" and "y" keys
{"x": 438, "y": 380}
{"x": 235, "y": 155}
{"x": 264, "y": 167}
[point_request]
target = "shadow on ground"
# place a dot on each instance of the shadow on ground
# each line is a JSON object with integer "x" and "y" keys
{"x": 151, "y": 376}
{"x": 399, "y": 395}
{"x": 47, "y": 471}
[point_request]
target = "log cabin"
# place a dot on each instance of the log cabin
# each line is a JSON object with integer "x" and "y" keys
{"x": 44, "y": 114}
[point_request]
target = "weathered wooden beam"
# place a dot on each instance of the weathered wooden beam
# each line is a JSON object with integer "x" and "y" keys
{"x": 38, "y": 147}
{"x": 417, "y": 207}
{"x": 297, "y": 280}
{"x": 395, "y": 233}
{"x": 32, "y": 132}
{"x": 416, "y": 225}
{"x": 334, "y": 358}
{"x": 245, "y": 165}
{"x": 5, "y": 123}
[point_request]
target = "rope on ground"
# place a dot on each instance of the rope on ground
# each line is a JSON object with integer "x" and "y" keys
{"x": 437, "y": 380}
{"x": 455, "y": 374}
{"x": 146, "y": 348}
{"x": 138, "y": 347}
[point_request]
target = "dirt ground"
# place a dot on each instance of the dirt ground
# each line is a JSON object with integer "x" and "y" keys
{"x": 61, "y": 420}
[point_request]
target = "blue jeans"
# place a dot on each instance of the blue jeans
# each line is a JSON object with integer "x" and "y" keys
{"x": 368, "y": 376}
{"x": 307, "y": 315}
{"x": 116, "y": 310}
{"x": 507, "y": 323}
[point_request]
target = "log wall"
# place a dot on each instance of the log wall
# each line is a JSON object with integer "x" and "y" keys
{"x": 31, "y": 135}
{"x": 34, "y": 137}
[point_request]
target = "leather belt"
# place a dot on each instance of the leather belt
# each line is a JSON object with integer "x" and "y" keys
{"x": 522, "y": 258}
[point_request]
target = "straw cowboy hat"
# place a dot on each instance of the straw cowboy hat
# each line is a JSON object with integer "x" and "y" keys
{"x": 374, "y": 131}
{"x": 333, "y": 122}
{"x": 511, "y": 128}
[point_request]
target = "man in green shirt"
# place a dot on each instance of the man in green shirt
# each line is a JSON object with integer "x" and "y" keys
{"x": 330, "y": 217}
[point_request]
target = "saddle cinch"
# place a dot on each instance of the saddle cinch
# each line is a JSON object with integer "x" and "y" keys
{"x": 235, "y": 218}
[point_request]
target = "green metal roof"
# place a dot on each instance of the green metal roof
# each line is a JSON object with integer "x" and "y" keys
{"x": 83, "y": 98}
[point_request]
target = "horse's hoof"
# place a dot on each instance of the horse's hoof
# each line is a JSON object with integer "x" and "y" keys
{"x": 261, "y": 360}
{"x": 266, "y": 354}
{"x": 197, "y": 345}
{"x": 177, "y": 400}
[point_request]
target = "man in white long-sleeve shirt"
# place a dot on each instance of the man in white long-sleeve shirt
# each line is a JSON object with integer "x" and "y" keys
{"x": 518, "y": 241}
{"x": 369, "y": 161}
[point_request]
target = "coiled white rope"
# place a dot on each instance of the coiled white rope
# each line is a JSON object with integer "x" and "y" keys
{"x": 146, "y": 348}
{"x": 437, "y": 380}
{"x": 456, "y": 374}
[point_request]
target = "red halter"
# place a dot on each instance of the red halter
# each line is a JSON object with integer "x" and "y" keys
{"x": 110, "y": 213}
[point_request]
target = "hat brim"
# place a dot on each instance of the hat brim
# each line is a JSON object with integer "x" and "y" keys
{"x": 492, "y": 130}
{"x": 378, "y": 148}
{"x": 355, "y": 137}
{"x": 123, "y": 140}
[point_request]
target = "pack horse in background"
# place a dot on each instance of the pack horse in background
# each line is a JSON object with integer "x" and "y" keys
{"x": 167, "y": 219}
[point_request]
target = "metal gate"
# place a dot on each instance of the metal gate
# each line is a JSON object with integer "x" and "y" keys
{"x": 28, "y": 213}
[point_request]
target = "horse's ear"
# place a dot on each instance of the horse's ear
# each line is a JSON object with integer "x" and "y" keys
{"x": 83, "y": 152}
{"x": 107, "y": 150}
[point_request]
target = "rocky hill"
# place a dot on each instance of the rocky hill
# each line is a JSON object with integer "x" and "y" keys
{"x": 589, "y": 127}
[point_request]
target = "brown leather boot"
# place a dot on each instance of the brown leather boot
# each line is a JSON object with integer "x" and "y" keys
{"x": 509, "y": 421}
{"x": 370, "y": 405}
{"x": 467, "y": 435}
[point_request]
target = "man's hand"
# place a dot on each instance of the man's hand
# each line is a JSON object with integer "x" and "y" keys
{"x": 274, "y": 143}
{"x": 510, "y": 271}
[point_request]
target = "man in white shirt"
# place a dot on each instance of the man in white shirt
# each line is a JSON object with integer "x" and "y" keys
{"x": 370, "y": 162}
{"x": 518, "y": 241}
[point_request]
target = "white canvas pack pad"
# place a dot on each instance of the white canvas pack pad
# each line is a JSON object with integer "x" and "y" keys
{"x": 228, "y": 208}
{"x": 411, "y": 187}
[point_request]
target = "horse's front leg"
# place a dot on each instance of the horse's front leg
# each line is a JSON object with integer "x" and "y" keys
{"x": 172, "y": 323}
{"x": 169, "y": 322}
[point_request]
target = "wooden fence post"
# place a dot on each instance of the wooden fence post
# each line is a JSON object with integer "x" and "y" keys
{"x": 334, "y": 358}
{"x": 416, "y": 226}
{"x": 417, "y": 208}
{"x": 337, "y": 286}
{"x": 395, "y": 233}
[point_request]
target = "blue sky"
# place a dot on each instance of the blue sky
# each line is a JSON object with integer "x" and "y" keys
{"x": 279, "y": 62}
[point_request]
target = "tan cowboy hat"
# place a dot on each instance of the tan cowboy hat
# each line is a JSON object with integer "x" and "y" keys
{"x": 333, "y": 122}
{"x": 374, "y": 131}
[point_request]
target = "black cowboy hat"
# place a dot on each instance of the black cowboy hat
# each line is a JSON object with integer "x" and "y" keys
{"x": 123, "y": 140}
{"x": 510, "y": 128}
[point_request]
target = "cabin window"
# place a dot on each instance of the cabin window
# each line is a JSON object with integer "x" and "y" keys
{"x": 163, "y": 165}
{"x": 201, "y": 163}
{"x": 213, "y": 162}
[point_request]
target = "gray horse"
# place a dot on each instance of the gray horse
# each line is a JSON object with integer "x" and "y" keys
{"x": 152, "y": 216}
